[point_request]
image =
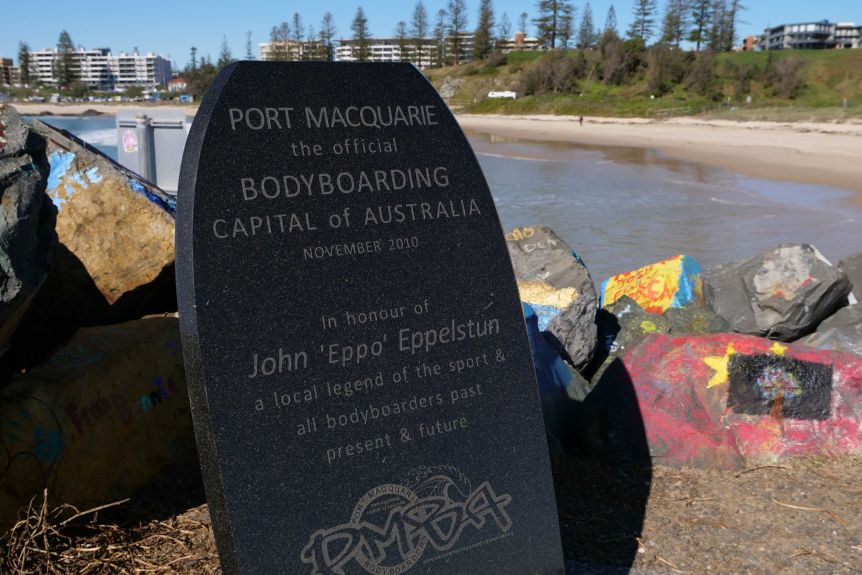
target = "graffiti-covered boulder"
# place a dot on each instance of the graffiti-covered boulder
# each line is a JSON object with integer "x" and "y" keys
{"x": 561, "y": 387}
{"x": 115, "y": 261}
{"x": 622, "y": 325}
{"x": 693, "y": 319}
{"x": 106, "y": 414}
{"x": 782, "y": 293}
{"x": 674, "y": 282}
{"x": 558, "y": 286}
{"x": 852, "y": 267}
{"x": 725, "y": 401}
{"x": 839, "y": 332}
{"x": 27, "y": 218}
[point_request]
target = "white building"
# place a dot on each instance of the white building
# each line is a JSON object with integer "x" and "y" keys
{"x": 292, "y": 51}
{"x": 422, "y": 54}
{"x": 101, "y": 70}
{"x": 518, "y": 42}
{"x": 812, "y": 35}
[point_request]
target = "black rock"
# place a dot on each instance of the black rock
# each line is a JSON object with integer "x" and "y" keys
{"x": 782, "y": 293}
{"x": 693, "y": 319}
{"x": 840, "y": 332}
{"x": 852, "y": 266}
{"x": 27, "y": 219}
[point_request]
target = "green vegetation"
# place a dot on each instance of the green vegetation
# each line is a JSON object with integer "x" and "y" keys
{"x": 622, "y": 78}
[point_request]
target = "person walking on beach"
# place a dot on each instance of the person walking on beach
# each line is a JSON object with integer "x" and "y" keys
{"x": 581, "y": 120}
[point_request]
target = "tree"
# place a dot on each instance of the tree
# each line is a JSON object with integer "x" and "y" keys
{"x": 24, "y": 63}
{"x": 65, "y": 59}
{"x": 440, "y": 35}
{"x": 457, "y": 25}
{"x": 550, "y": 19}
{"x": 587, "y": 30}
{"x": 675, "y": 22}
{"x": 327, "y": 36}
{"x": 419, "y": 30}
{"x": 504, "y": 28}
{"x": 566, "y": 29}
{"x": 362, "y": 46}
{"x": 731, "y": 18}
{"x": 225, "y": 56}
{"x": 403, "y": 43}
{"x": 701, "y": 14}
{"x": 249, "y": 53}
{"x": 522, "y": 23}
{"x": 716, "y": 27}
{"x": 643, "y": 23}
{"x": 279, "y": 37}
{"x": 483, "y": 37}
{"x": 611, "y": 21}
{"x": 194, "y": 58}
{"x": 298, "y": 30}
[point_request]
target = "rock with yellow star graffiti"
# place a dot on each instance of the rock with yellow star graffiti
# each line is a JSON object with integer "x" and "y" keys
{"x": 725, "y": 401}
{"x": 782, "y": 293}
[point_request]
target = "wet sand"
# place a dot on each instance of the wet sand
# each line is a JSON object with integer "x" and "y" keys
{"x": 813, "y": 153}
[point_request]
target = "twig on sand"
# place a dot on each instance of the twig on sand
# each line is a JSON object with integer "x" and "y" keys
{"x": 832, "y": 514}
{"x": 750, "y": 469}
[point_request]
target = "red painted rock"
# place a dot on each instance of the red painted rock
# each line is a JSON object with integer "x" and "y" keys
{"x": 725, "y": 401}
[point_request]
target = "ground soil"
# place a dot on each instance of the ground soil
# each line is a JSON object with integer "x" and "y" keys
{"x": 804, "y": 516}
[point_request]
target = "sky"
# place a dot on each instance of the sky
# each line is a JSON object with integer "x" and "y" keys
{"x": 171, "y": 28}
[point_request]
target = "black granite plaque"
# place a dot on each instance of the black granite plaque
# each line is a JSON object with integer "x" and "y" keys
{"x": 361, "y": 382}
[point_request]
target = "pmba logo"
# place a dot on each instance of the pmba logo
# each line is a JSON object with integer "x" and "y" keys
{"x": 393, "y": 525}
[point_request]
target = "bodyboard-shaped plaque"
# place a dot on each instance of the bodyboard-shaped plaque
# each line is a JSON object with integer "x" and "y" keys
{"x": 360, "y": 376}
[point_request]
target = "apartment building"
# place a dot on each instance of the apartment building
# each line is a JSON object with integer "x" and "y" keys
{"x": 422, "y": 54}
{"x": 101, "y": 70}
{"x": 7, "y": 72}
{"x": 812, "y": 35}
{"x": 519, "y": 41}
{"x": 293, "y": 51}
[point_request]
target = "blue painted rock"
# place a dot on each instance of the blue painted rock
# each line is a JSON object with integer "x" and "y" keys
{"x": 553, "y": 280}
{"x": 725, "y": 401}
{"x": 115, "y": 258}
{"x": 27, "y": 219}
{"x": 672, "y": 283}
{"x": 106, "y": 414}
{"x": 781, "y": 293}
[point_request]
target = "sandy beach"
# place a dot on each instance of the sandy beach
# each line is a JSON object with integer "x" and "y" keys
{"x": 806, "y": 152}
{"x": 815, "y": 153}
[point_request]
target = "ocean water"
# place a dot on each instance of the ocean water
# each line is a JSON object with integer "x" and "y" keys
{"x": 622, "y": 208}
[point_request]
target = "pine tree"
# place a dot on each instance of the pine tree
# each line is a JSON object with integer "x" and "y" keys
{"x": 327, "y": 36}
{"x": 194, "y": 59}
{"x": 440, "y": 36}
{"x": 587, "y": 30}
{"x": 716, "y": 26}
{"x": 457, "y": 25}
{"x": 550, "y": 19}
{"x": 362, "y": 48}
{"x": 675, "y": 22}
{"x": 249, "y": 53}
{"x": 403, "y": 44}
{"x": 643, "y": 23}
{"x": 483, "y": 37}
{"x": 419, "y": 30}
{"x": 701, "y": 15}
{"x": 566, "y": 29}
{"x": 522, "y": 23}
{"x": 66, "y": 74}
{"x": 298, "y": 30}
{"x": 24, "y": 63}
{"x": 611, "y": 21}
{"x": 504, "y": 28}
{"x": 731, "y": 18}
{"x": 225, "y": 56}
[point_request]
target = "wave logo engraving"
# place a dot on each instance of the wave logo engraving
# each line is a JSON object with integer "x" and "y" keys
{"x": 392, "y": 525}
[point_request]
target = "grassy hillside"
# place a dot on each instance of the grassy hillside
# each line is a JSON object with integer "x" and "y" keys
{"x": 825, "y": 77}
